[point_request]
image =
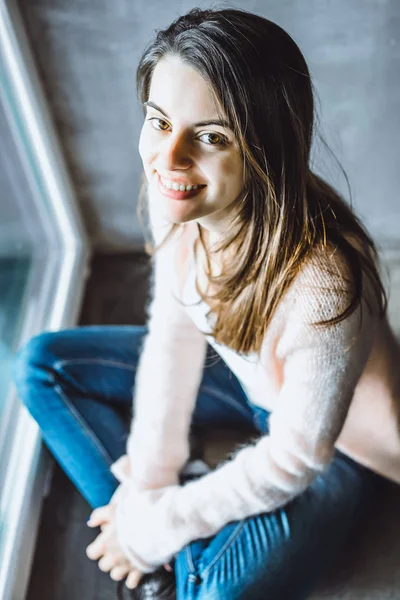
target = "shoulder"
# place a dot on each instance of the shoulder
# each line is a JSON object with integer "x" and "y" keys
{"x": 322, "y": 291}
{"x": 324, "y": 283}
{"x": 325, "y": 286}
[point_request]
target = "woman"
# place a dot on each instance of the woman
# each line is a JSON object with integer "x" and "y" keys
{"x": 259, "y": 262}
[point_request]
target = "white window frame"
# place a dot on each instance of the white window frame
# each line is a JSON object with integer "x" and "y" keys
{"x": 52, "y": 301}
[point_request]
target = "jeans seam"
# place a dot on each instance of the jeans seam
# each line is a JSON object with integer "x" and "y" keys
{"x": 189, "y": 560}
{"x": 226, "y": 546}
{"x": 102, "y": 361}
{"x": 87, "y": 430}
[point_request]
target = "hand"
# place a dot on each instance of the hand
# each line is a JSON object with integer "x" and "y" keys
{"x": 146, "y": 533}
{"x": 106, "y": 548}
{"x": 144, "y": 499}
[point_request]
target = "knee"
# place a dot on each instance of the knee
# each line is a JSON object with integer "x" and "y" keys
{"x": 34, "y": 361}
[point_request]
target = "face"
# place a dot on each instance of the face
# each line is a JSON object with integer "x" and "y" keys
{"x": 183, "y": 142}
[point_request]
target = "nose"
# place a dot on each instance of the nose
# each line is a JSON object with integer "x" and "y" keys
{"x": 176, "y": 153}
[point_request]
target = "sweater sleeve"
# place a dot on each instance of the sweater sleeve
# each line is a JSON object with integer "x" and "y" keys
{"x": 167, "y": 379}
{"x": 321, "y": 368}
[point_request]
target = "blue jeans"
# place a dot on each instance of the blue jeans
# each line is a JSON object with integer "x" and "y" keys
{"x": 77, "y": 384}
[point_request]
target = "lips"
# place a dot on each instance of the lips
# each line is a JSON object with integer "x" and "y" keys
{"x": 177, "y": 194}
{"x": 176, "y": 184}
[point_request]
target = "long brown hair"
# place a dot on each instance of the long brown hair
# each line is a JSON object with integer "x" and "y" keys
{"x": 286, "y": 211}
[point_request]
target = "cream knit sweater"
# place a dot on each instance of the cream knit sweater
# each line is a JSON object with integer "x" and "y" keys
{"x": 307, "y": 378}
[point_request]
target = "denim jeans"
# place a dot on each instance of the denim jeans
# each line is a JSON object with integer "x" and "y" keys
{"x": 78, "y": 383}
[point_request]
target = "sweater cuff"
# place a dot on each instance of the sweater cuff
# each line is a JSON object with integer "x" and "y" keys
{"x": 134, "y": 559}
{"x": 145, "y": 531}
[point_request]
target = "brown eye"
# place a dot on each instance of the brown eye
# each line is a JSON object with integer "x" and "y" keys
{"x": 214, "y": 139}
{"x": 160, "y": 124}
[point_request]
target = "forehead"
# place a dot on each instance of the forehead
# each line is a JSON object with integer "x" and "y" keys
{"x": 182, "y": 92}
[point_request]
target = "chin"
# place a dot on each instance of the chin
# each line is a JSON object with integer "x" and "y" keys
{"x": 180, "y": 215}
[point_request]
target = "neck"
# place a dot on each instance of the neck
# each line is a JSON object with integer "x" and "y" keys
{"x": 211, "y": 238}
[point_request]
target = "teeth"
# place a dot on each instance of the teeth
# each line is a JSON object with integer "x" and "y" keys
{"x": 178, "y": 187}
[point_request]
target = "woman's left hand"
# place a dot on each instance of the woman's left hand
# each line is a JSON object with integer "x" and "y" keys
{"x": 107, "y": 550}
{"x": 139, "y": 518}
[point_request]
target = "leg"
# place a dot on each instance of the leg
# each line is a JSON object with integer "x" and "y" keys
{"x": 78, "y": 384}
{"x": 282, "y": 554}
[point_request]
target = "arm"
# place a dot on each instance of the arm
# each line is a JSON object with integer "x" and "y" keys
{"x": 321, "y": 370}
{"x": 167, "y": 380}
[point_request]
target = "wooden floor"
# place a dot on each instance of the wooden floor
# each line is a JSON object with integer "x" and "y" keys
{"x": 368, "y": 568}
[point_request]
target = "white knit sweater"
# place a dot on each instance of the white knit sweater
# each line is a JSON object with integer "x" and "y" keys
{"x": 306, "y": 377}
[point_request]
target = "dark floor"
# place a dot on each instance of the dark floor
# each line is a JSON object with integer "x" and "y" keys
{"x": 115, "y": 295}
{"x": 368, "y": 569}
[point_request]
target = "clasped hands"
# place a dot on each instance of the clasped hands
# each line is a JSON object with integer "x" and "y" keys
{"x": 143, "y": 507}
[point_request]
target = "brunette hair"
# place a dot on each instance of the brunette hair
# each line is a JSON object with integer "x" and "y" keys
{"x": 286, "y": 211}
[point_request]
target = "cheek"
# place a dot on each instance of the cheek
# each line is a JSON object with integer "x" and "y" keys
{"x": 142, "y": 145}
{"x": 230, "y": 173}
{"x": 145, "y": 147}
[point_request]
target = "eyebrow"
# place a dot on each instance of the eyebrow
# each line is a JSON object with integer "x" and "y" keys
{"x": 220, "y": 122}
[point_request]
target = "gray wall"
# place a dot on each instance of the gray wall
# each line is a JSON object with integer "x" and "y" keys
{"x": 87, "y": 51}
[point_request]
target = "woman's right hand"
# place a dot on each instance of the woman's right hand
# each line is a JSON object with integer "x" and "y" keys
{"x": 121, "y": 470}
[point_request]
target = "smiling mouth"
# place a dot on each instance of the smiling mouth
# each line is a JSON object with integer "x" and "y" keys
{"x": 179, "y": 187}
{"x": 178, "y": 194}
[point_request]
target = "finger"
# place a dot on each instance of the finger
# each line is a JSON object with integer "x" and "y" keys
{"x": 120, "y": 572}
{"x": 100, "y": 515}
{"x": 97, "y": 548}
{"x": 107, "y": 562}
{"x": 133, "y": 579}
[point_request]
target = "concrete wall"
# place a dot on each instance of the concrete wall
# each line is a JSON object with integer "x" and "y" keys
{"x": 87, "y": 52}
